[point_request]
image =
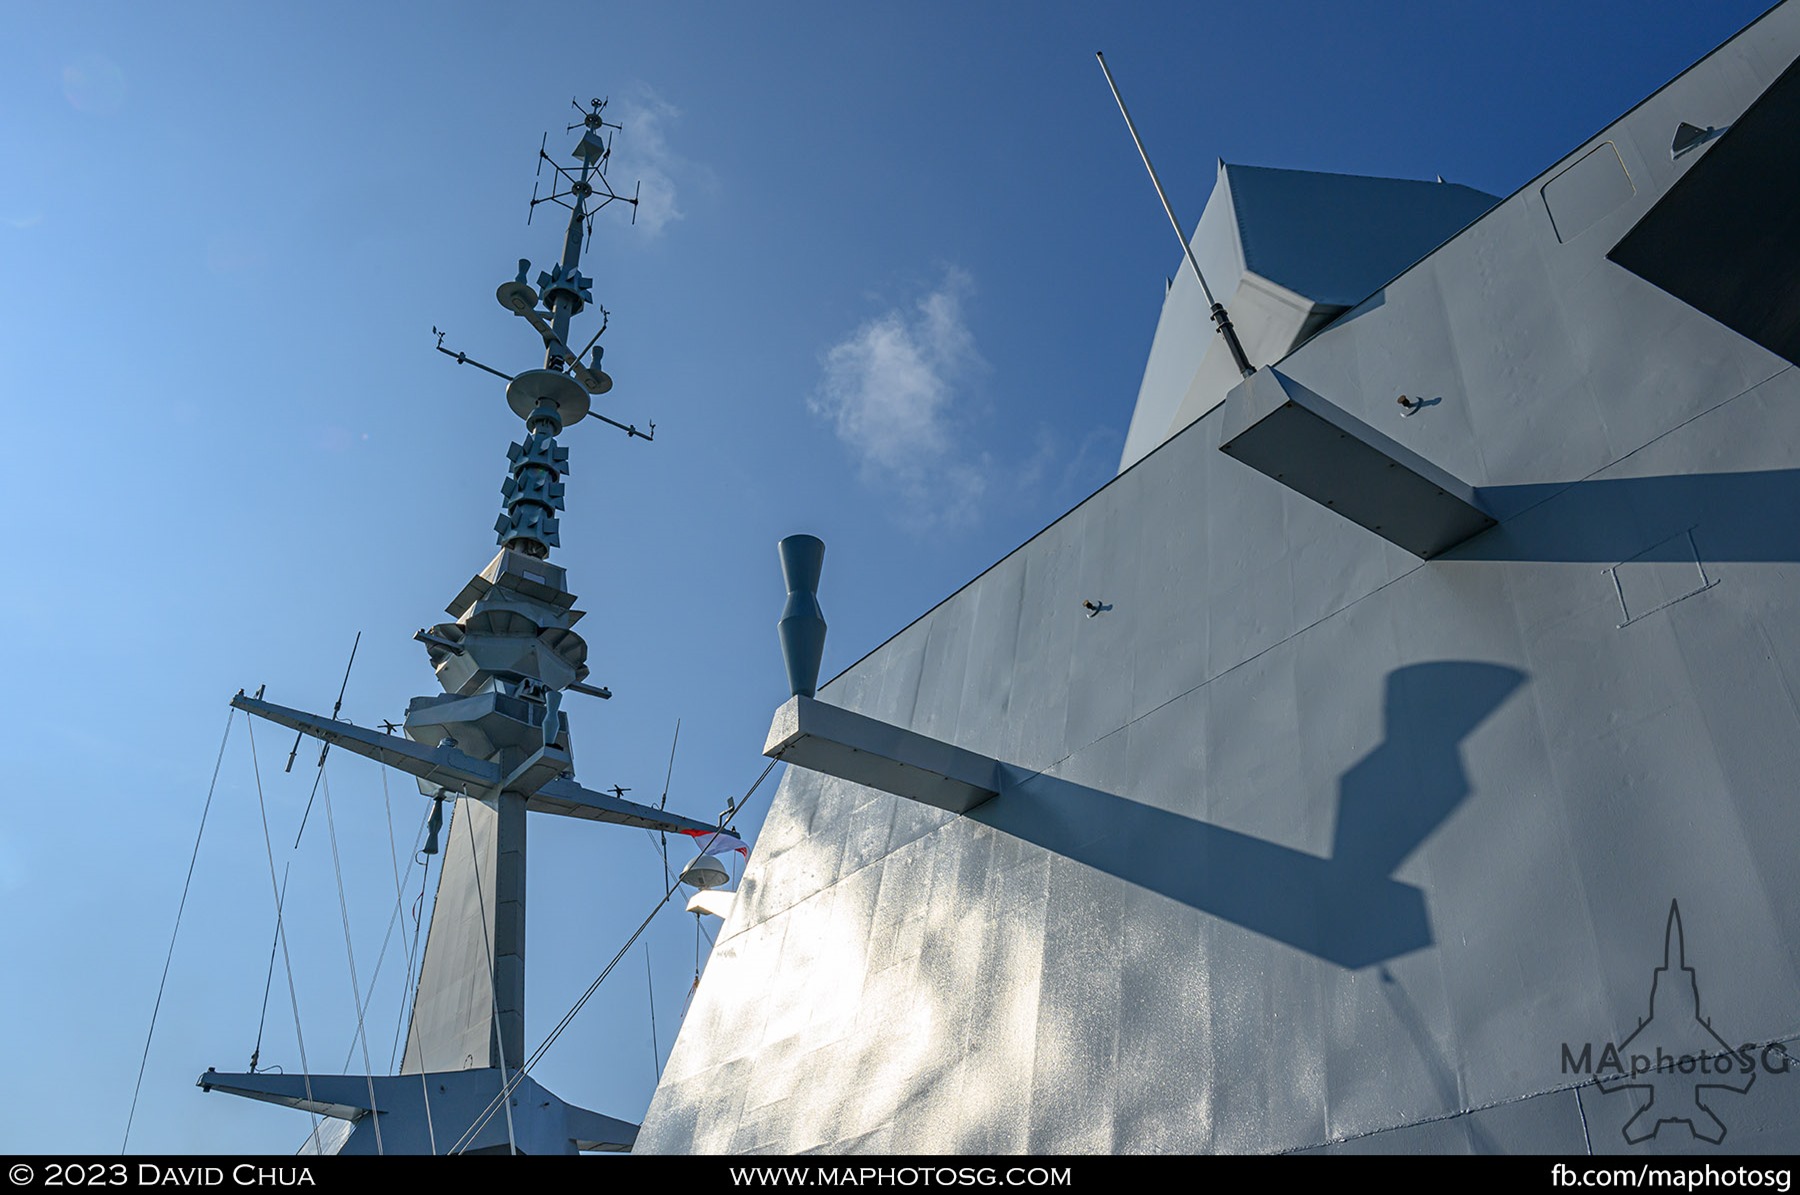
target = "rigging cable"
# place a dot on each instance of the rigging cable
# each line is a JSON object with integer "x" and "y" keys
{"x": 506, "y": 1085}
{"x": 655, "y": 1046}
{"x": 173, "y": 934}
{"x": 537, "y": 1055}
{"x": 409, "y": 986}
{"x": 731, "y": 810}
{"x": 308, "y": 811}
{"x": 280, "y": 930}
{"x": 324, "y": 747}
{"x": 660, "y": 838}
{"x": 519, "y": 1075}
{"x": 380, "y": 959}
{"x": 418, "y": 912}
{"x": 670, "y": 774}
{"x": 375, "y": 978}
{"x": 337, "y": 870}
{"x": 269, "y": 979}
{"x": 387, "y": 803}
{"x": 669, "y": 872}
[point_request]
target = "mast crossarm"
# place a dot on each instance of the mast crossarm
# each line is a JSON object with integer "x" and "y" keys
{"x": 437, "y": 1112}
{"x": 440, "y": 765}
{"x": 344, "y": 1096}
{"x": 571, "y": 800}
{"x": 450, "y": 768}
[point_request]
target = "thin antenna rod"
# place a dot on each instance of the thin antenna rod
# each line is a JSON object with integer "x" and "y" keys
{"x": 1219, "y": 315}
{"x": 664, "y": 803}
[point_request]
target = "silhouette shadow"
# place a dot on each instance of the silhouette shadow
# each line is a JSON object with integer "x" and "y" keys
{"x": 1751, "y": 516}
{"x": 1345, "y": 909}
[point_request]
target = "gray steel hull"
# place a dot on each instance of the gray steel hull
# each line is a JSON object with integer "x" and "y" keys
{"x": 1320, "y": 845}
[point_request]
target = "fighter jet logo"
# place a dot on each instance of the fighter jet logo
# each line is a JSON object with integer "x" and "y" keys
{"x": 1674, "y": 1056}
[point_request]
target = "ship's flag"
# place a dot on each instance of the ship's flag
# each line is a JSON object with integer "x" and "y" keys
{"x": 718, "y": 842}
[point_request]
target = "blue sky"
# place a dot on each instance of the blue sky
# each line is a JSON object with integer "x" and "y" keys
{"x": 893, "y": 283}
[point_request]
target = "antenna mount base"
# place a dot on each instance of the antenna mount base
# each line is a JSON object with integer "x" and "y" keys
{"x": 561, "y": 390}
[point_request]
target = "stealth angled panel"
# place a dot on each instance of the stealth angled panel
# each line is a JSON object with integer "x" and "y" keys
{"x": 1280, "y": 428}
{"x": 1726, "y": 237}
{"x": 1178, "y": 935}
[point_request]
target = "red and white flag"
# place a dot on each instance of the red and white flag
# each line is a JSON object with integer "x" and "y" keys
{"x": 718, "y": 842}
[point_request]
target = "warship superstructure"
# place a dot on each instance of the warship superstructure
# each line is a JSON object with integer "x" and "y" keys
{"x": 495, "y": 744}
{"x": 1327, "y": 779}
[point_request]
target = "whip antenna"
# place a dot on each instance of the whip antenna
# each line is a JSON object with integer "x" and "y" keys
{"x": 1219, "y": 316}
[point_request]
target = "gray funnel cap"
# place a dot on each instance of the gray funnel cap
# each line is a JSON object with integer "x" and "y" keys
{"x": 802, "y": 623}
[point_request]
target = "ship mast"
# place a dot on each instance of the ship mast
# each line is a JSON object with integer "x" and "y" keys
{"x": 495, "y": 742}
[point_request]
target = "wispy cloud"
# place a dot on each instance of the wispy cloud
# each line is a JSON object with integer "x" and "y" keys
{"x": 892, "y": 390}
{"x": 643, "y": 158}
{"x": 903, "y": 393}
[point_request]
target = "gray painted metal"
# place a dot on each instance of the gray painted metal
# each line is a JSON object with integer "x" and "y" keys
{"x": 1296, "y": 437}
{"x": 431, "y": 1113}
{"x": 704, "y": 871}
{"x": 802, "y": 625}
{"x": 1726, "y": 236}
{"x": 446, "y": 767}
{"x": 496, "y": 736}
{"x": 838, "y": 742}
{"x": 1291, "y": 250}
{"x": 453, "y": 1014}
{"x": 1582, "y": 194}
{"x": 1328, "y": 846}
{"x": 563, "y": 392}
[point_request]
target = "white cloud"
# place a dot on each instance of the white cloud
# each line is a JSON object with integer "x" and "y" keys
{"x": 642, "y": 158}
{"x": 893, "y": 391}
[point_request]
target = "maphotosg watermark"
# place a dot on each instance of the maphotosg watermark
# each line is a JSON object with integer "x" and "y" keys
{"x": 1674, "y": 1060}
{"x": 1681, "y": 1178}
{"x": 1746, "y": 1059}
